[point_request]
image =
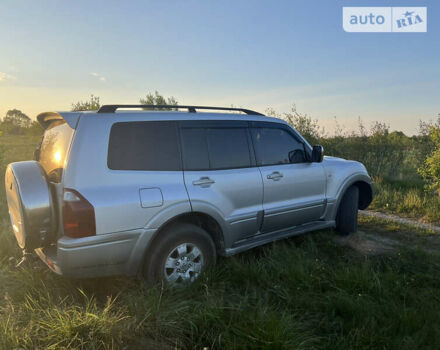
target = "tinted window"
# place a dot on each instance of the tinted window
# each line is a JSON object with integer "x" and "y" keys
{"x": 272, "y": 146}
{"x": 144, "y": 146}
{"x": 54, "y": 148}
{"x": 228, "y": 148}
{"x": 195, "y": 149}
{"x": 215, "y": 148}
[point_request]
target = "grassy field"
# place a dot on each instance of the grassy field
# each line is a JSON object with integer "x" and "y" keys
{"x": 308, "y": 292}
{"x": 406, "y": 198}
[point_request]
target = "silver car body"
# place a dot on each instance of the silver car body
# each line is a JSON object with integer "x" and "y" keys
{"x": 248, "y": 207}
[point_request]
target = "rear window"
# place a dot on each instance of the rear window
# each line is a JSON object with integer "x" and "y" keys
{"x": 54, "y": 148}
{"x": 144, "y": 146}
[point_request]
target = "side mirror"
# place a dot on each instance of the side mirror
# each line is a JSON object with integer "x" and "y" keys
{"x": 297, "y": 156}
{"x": 317, "y": 154}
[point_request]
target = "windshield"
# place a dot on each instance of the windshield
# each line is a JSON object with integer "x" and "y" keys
{"x": 54, "y": 148}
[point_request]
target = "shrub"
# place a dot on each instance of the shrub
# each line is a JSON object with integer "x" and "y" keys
{"x": 90, "y": 105}
{"x": 385, "y": 154}
{"x": 35, "y": 129}
{"x": 430, "y": 169}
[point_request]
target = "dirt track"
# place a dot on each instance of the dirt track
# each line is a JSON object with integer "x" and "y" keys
{"x": 376, "y": 241}
{"x": 399, "y": 220}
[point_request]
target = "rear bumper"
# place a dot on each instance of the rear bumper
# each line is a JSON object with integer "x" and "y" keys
{"x": 118, "y": 253}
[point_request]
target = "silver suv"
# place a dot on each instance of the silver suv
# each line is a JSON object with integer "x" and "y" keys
{"x": 160, "y": 194}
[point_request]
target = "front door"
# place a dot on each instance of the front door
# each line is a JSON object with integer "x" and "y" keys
{"x": 294, "y": 193}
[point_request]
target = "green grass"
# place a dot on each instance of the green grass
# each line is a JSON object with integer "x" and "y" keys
{"x": 303, "y": 293}
{"x": 409, "y": 199}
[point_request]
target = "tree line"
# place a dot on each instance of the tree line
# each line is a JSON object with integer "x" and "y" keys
{"x": 386, "y": 154}
{"x": 15, "y": 122}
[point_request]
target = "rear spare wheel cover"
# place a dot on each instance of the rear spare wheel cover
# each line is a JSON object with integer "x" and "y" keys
{"x": 30, "y": 203}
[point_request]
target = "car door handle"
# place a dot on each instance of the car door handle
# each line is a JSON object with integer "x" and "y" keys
{"x": 276, "y": 175}
{"x": 204, "y": 181}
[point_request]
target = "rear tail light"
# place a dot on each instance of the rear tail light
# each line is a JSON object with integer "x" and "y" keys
{"x": 78, "y": 215}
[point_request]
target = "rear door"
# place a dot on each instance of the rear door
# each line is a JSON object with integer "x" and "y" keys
{"x": 53, "y": 155}
{"x": 294, "y": 194}
{"x": 141, "y": 179}
{"x": 221, "y": 176}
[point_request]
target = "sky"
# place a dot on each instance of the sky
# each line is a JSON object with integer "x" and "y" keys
{"x": 252, "y": 54}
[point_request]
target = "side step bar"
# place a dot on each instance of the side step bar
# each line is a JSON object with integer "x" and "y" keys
{"x": 261, "y": 239}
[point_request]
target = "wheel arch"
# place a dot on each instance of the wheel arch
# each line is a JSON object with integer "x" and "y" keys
{"x": 200, "y": 219}
{"x": 366, "y": 191}
{"x": 365, "y": 194}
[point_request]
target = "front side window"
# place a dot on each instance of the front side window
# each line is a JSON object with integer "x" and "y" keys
{"x": 215, "y": 148}
{"x": 272, "y": 146}
{"x": 54, "y": 148}
{"x": 144, "y": 146}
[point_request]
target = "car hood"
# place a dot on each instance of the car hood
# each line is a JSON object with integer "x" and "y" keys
{"x": 333, "y": 163}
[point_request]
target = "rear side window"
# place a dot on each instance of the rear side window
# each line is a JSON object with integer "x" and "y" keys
{"x": 272, "y": 145}
{"x": 228, "y": 148}
{"x": 215, "y": 148}
{"x": 144, "y": 146}
{"x": 195, "y": 149}
{"x": 54, "y": 148}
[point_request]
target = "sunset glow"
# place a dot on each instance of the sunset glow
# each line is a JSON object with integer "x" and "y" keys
{"x": 208, "y": 55}
{"x": 57, "y": 156}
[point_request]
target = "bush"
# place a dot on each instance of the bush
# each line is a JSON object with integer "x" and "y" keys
{"x": 385, "y": 154}
{"x": 35, "y": 129}
{"x": 11, "y": 129}
{"x": 389, "y": 155}
{"x": 90, "y": 105}
{"x": 430, "y": 169}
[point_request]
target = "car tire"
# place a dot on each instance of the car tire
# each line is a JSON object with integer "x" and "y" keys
{"x": 189, "y": 246}
{"x": 347, "y": 216}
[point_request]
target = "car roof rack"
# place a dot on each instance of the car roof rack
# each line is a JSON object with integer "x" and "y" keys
{"x": 191, "y": 109}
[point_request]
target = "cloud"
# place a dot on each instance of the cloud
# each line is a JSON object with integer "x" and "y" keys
{"x": 98, "y": 76}
{"x": 6, "y": 77}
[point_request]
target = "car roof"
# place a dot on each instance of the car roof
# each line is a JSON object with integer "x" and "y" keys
{"x": 72, "y": 117}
